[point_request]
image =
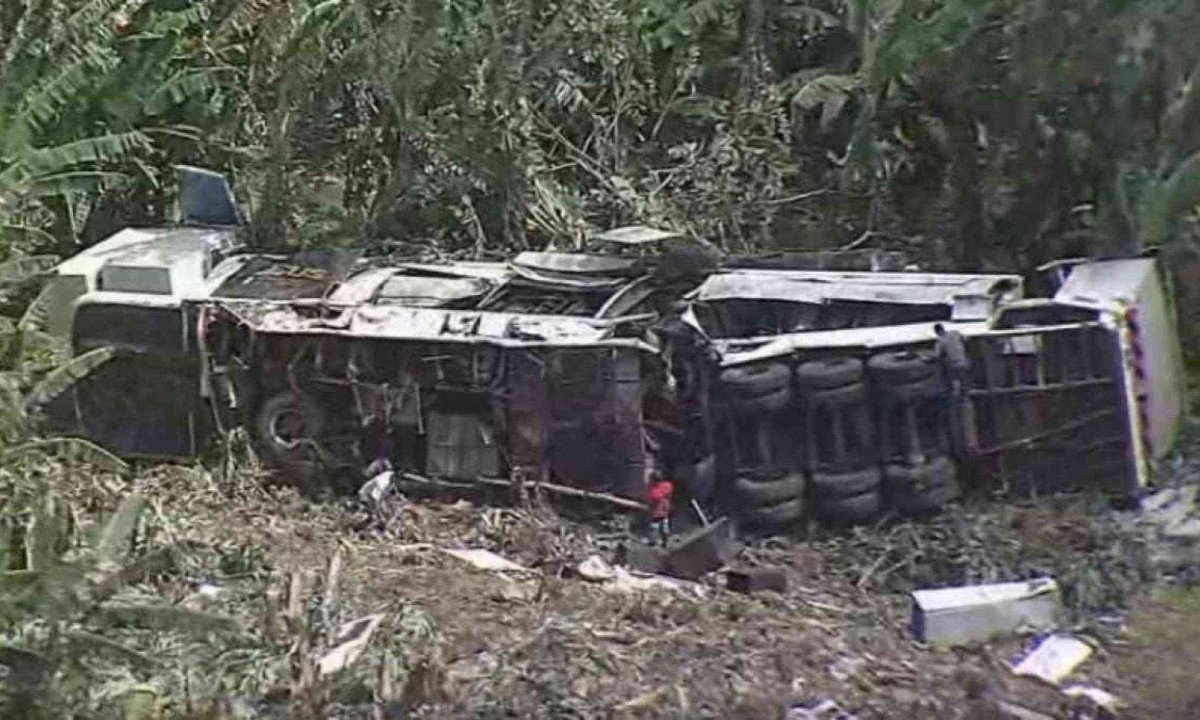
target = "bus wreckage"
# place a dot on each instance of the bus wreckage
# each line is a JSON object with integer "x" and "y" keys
{"x": 770, "y": 389}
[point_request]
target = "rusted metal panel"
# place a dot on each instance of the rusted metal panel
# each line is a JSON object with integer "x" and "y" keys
{"x": 1049, "y": 409}
{"x": 460, "y": 445}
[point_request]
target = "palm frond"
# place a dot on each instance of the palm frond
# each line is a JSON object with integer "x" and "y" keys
{"x": 90, "y": 22}
{"x": 47, "y": 528}
{"x": 14, "y": 423}
{"x": 13, "y": 582}
{"x": 179, "y": 20}
{"x": 37, "y": 314}
{"x": 811, "y": 19}
{"x": 23, "y": 270}
{"x": 29, "y": 230}
{"x": 165, "y": 617}
{"x": 181, "y": 132}
{"x": 79, "y": 181}
{"x": 26, "y": 664}
{"x": 186, "y": 84}
{"x": 82, "y": 643}
{"x": 51, "y": 160}
{"x": 70, "y": 449}
{"x": 42, "y": 103}
{"x": 826, "y": 89}
{"x": 242, "y": 16}
{"x": 689, "y": 19}
{"x": 152, "y": 563}
{"x": 62, "y": 378}
{"x": 1166, "y": 203}
{"x": 118, "y": 531}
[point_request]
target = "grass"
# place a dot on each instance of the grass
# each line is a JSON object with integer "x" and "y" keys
{"x": 1159, "y": 657}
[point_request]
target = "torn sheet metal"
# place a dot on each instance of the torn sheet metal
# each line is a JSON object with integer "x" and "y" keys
{"x": 495, "y": 271}
{"x": 361, "y": 286}
{"x": 418, "y": 291}
{"x": 578, "y": 281}
{"x": 748, "y": 350}
{"x": 635, "y": 235}
{"x": 822, "y": 287}
{"x": 1106, "y": 284}
{"x": 585, "y": 263}
{"x": 451, "y": 326}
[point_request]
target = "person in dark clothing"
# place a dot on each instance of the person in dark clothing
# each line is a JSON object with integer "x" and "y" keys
{"x": 951, "y": 351}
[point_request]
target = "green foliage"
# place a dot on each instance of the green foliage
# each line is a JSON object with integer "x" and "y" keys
{"x": 60, "y": 607}
{"x": 479, "y": 126}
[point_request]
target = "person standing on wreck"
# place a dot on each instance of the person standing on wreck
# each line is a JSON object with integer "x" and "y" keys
{"x": 659, "y": 497}
{"x": 950, "y": 349}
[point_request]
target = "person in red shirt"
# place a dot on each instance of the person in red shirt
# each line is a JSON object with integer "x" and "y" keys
{"x": 659, "y": 497}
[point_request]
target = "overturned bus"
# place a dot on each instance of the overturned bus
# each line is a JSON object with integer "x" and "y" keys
{"x": 769, "y": 388}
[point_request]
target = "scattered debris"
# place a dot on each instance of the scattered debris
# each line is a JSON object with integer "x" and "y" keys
{"x": 614, "y": 577}
{"x": 642, "y": 558}
{"x": 351, "y": 642}
{"x": 517, "y": 591}
{"x": 964, "y": 614}
{"x": 1170, "y": 522}
{"x": 595, "y": 569}
{"x": 1091, "y": 703}
{"x": 820, "y": 710}
{"x": 644, "y": 701}
{"x": 203, "y": 598}
{"x": 376, "y": 489}
{"x": 481, "y": 559}
{"x": 845, "y": 668}
{"x": 750, "y": 580}
{"x": 701, "y": 551}
{"x": 1012, "y": 711}
{"x": 1052, "y": 658}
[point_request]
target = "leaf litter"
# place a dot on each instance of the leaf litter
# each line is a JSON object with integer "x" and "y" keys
{"x": 438, "y": 640}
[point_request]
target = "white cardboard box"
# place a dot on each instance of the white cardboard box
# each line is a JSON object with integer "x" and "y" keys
{"x": 958, "y": 615}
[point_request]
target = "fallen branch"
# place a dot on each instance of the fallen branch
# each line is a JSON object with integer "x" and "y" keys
{"x": 796, "y": 198}
{"x": 609, "y": 498}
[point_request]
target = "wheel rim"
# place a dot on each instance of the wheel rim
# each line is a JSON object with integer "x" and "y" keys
{"x": 287, "y": 427}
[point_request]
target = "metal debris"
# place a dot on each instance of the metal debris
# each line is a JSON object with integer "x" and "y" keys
{"x": 751, "y": 580}
{"x": 701, "y": 551}
{"x": 965, "y": 614}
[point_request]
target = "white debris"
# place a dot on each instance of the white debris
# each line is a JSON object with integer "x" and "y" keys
{"x": 965, "y": 614}
{"x": 204, "y": 597}
{"x": 596, "y": 569}
{"x": 1089, "y": 702}
{"x": 481, "y": 559}
{"x": 618, "y": 579}
{"x": 1054, "y": 658}
{"x": 1101, "y": 698}
{"x": 351, "y": 642}
{"x": 1170, "y": 521}
{"x": 627, "y": 581}
{"x": 376, "y": 489}
{"x": 822, "y": 710}
{"x": 845, "y": 668}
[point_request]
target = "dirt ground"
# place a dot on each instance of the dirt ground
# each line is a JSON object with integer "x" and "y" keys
{"x": 465, "y": 643}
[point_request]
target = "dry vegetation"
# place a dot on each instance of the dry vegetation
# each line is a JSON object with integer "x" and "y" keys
{"x": 459, "y": 642}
